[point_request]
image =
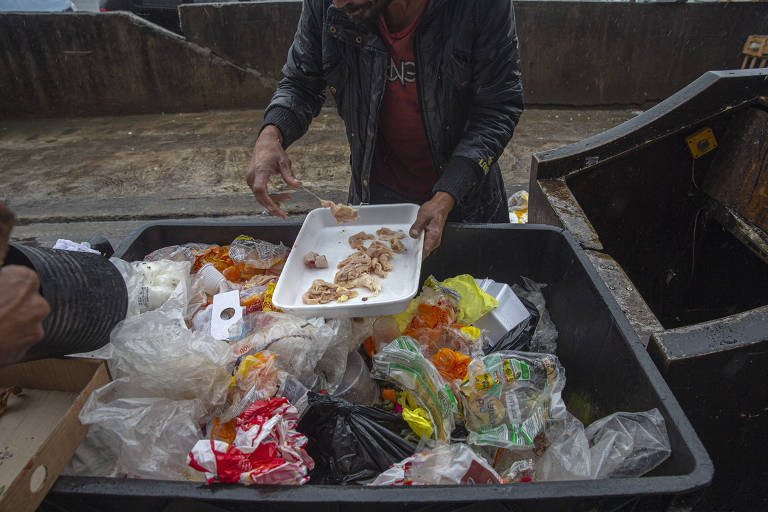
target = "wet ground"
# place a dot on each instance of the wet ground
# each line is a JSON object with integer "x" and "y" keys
{"x": 73, "y": 178}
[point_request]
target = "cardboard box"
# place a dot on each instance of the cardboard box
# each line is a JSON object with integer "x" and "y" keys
{"x": 40, "y": 430}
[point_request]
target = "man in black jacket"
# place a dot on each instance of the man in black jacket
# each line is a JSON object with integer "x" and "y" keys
{"x": 430, "y": 93}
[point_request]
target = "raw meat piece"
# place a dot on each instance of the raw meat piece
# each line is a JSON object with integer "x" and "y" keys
{"x": 352, "y": 271}
{"x": 397, "y": 245}
{"x": 356, "y": 258}
{"x": 387, "y": 234}
{"x": 357, "y": 241}
{"x": 381, "y": 252}
{"x": 322, "y": 292}
{"x": 364, "y": 281}
{"x": 341, "y": 212}
{"x": 314, "y": 260}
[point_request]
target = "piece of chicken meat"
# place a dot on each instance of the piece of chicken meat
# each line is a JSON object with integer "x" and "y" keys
{"x": 387, "y": 234}
{"x": 381, "y": 252}
{"x": 341, "y": 212}
{"x": 357, "y": 241}
{"x": 322, "y": 292}
{"x": 365, "y": 280}
{"x": 314, "y": 260}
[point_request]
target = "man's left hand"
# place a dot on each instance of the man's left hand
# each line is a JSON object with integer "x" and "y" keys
{"x": 431, "y": 219}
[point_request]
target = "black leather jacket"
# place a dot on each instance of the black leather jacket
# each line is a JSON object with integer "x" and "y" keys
{"x": 469, "y": 86}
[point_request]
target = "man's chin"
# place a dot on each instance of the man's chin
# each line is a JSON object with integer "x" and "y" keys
{"x": 362, "y": 17}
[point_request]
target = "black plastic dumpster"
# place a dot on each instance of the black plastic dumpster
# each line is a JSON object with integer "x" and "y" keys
{"x": 672, "y": 209}
{"x": 607, "y": 370}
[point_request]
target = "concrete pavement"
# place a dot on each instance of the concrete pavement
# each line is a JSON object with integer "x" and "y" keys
{"x": 76, "y": 177}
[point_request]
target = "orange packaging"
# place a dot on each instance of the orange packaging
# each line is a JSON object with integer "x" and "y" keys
{"x": 451, "y": 364}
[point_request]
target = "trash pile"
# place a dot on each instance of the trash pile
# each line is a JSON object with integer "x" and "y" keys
{"x": 213, "y": 383}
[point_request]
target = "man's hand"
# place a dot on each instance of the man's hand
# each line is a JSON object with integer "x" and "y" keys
{"x": 22, "y": 311}
{"x": 431, "y": 219}
{"x": 270, "y": 158}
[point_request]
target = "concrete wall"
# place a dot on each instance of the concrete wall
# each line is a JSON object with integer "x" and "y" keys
{"x": 116, "y": 63}
{"x": 573, "y": 53}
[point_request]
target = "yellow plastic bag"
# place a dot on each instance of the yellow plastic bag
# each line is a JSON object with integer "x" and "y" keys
{"x": 474, "y": 302}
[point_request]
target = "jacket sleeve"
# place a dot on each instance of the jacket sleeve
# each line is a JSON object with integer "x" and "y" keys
{"x": 497, "y": 102}
{"x": 301, "y": 92}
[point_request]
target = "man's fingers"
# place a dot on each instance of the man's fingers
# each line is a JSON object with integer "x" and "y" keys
{"x": 419, "y": 225}
{"x": 432, "y": 238}
{"x": 287, "y": 173}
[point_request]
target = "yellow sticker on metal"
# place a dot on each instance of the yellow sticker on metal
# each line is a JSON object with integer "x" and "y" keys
{"x": 701, "y": 142}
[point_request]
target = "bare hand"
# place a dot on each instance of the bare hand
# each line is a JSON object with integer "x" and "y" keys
{"x": 22, "y": 311}
{"x": 270, "y": 158}
{"x": 431, "y": 219}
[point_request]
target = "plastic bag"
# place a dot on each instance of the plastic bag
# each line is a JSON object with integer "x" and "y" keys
{"x": 351, "y": 443}
{"x": 454, "y": 464}
{"x": 132, "y": 284}
{"x": 141, "y": 435}
{"x": 312, "y": 350}
{"x": 158, "y": 281}
{"x": 627, "y": 444}
{"x": 544, "y": 338}
{"x": 520, "y": 337}
{"x": 159, "y": 350}
{"x": 509, "y": 396}
{"x": 186, "y": 252}
{"x": 266, "y": 449}
{"x": 452, "y": 365}
{"x": 257, "y": 253}
{"x": 257, "y": 372}
{"x": 402, "y": 363}
{"x": 621, "y": 445}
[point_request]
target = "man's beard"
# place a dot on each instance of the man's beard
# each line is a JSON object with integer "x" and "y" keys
{"x": 360, "y": 15}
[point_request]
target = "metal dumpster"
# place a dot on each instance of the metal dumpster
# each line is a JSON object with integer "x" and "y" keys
{"x": 607, "y": 370}
{"x": 672, "y": 210}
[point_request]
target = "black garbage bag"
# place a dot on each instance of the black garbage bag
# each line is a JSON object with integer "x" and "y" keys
{"x": 520, "y": 337}
{"x": 351, "y": 443}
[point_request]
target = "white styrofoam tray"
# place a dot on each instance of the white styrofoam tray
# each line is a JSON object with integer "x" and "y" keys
{"x": 320, "y": 233}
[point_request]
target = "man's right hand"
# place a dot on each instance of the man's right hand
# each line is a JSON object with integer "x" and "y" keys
{"x": 22, "y": 311}
{"x": 270, "y": 158}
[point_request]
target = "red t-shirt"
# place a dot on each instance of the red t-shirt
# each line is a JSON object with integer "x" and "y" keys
{"x": 403, "y": 162}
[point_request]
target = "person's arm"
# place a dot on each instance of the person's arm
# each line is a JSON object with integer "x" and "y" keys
{"x": 497, "y": 99}
{"x": 497, "y": 105}
{"x": 299, "y": 97}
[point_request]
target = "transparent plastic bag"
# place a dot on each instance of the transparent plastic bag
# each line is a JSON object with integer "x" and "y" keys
{"x": 627, "y": 444}
{"x": 158, "y": 281}
{"x": 146, "y": 436}
{"x": 257, "y": 253}
{"x": 509, "y": 396}
{"x": 312, "y": 350}
{"x": 621, "y": 445}
{"x": 132, "y": 284}
{"x": 545, "y": 336}
{"x": 158, "y": 349}
{"x": 186, "y": 252}
{"x": 454, "y": 464}
{"x": 402, "y": 363}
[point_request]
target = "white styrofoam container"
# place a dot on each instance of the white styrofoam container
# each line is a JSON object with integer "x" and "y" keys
{"x": 509, "y": 313}
{"x": 320, "y": 233}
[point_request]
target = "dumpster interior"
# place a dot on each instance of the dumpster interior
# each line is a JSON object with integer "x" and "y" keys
{"x": 595, "y": 346}
{"x": 692, "y": 247}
